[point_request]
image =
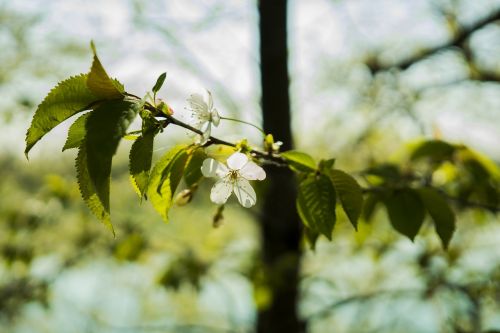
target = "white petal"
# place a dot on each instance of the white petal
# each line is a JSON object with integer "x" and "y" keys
{"x": 221, "y": 191}
{"x": 215, "y": 118}
{"x": 206, "y": 133}
{"x": 212, "y": 168}
{"x": 210, "y": 100}
{"x": 245, "y": 193}
{"x": 197, "y": 104}
{"x": 252, "y": 171}
{"x": 237, "y": 161}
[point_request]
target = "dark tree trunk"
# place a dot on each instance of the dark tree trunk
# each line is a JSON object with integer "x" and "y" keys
{"x": 280, "y": 223}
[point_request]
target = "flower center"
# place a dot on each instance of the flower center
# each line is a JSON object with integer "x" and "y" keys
{"x": 233, "y": 175}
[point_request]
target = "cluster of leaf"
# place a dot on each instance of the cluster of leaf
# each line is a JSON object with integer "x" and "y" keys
{"x": 438, "y": 173}
{"x": 96, "y": 135}
{"x": 320, "y": 186}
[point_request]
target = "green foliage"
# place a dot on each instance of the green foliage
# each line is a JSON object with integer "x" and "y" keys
{"x": 140, "y": 159}
{"x": 370, "y": 204}
{"x": 76, "y": 133}
{"x": 106, "y": 125}
{"x": 88, "y": 191}
{"x": 316, "y": 204}
{"x": 192, "y": 173}
{"x": 165, "y": 178}
{"x": 159, "y": 82}
{"x": 349, "y": 193}
{"x": 406, "y": 211}
{"x": 299, "y": 161}
{"x": 67, "y": 99}
{"x": 441, "y": 213}
{"x": 435, "y": 150}
{"x": 100, "y": 83}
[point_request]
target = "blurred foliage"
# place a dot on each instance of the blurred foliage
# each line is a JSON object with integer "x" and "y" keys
{"x": 188, "y": 276}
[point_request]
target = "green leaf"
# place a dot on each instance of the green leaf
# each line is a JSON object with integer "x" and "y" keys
{"x": 325, "y": 165}
{"x": 441, "y": 213}
{"x": 436, "y": 150}
{"x": 76, "y": 133}
{"x": 311, "y": 237}
{"x": 87, "y": 189}
{"x": 299, "y": 161}
{"x": 370, "y": 203}
{"x": 349, "y": 193}
{"x": 105, "y": 126}
{"x": 159, "y": 82}
{"x": 100, "y": 83}
{"x": 164, "y": 178}
{"x": 192, "y": 173}
{"x": 140, "y": 158}
{"x": 388, "y": 172}
{"x": 406, "y": 211}
{"x": 65, "y": 100}
{"x": 316, "y": 204}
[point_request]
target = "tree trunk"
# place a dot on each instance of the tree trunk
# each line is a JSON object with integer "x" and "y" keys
{"x": 280, "y": 225}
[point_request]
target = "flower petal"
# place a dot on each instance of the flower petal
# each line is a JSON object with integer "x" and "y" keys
{"x": 210, "y": 100}
{"x": 237, "y": 161}
{"x": 221, "y": 191}
{"x": 212, "y": 168}
{"x": 215, "y": 117}
{"x": 252, "y": 171}
{"x": 245, "y": 193}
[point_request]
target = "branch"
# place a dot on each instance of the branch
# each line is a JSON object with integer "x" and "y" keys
{"x": 268, "y": 157}
{"x": 457, "y": 41}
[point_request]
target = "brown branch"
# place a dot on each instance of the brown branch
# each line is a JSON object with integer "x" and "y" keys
{"x": 457, "y": 41}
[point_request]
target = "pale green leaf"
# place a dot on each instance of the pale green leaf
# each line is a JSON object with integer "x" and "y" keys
{"x": 435, "y": 150}
{"x": 164, "y": 178}
{"x": 100, "y": 83}
{"x": 76, "y": 133}
{"x": 441, "y": 213}
{"x": 87, "y": 189}
{"x": 406, "y": 211}
{"x": 316, "y": 204}
{"x": 106, "y": 126}
{"x": 349, "y": 193}
{"x": 65, "y": 100}
{"x": 299, "y": 161}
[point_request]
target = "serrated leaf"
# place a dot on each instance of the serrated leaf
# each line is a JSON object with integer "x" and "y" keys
{"x": 140, "y": 158}
{"x": 164, "y": 178}
{"x": 100, "y": 83}
{"x": 192, "y": 173}
{"x": 76, "y": 133}
{"x": 316, "y": 204}
{"x": 159, "y": 82}
{"x": 105, "y": 126}
{"x": 436, "y": 150}
{"x": 87, "y": 189}
{"x": 441, "y": 213}
{"x": 406, "y": 211}
{"x": 349, "y": 193}
{"x": 65, "y": 100}
{"x": 299, "y": 161}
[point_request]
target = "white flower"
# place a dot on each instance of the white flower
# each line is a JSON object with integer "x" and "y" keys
{"x": 203, "y": 115}
{"x": 233, "y": 177}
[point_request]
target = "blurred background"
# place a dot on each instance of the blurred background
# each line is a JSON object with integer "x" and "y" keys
{"x": 367, "y": 78}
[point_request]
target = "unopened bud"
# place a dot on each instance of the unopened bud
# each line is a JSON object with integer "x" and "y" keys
{"x": 218, "y": 217}
{"x": 184, "y": 197}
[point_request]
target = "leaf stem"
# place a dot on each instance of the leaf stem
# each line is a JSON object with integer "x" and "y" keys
{"x": 245, "y": 122}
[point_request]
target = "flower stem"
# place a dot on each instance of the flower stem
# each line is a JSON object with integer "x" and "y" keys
{"x": 245, "y": 122}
